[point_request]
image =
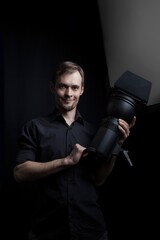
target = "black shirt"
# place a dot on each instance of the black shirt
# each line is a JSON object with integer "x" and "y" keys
{"x": 65, "y": 204}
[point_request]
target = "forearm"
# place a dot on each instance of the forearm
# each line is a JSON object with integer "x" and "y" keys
{"x": 29, "y": 170}
{"x": 104, "y": 170}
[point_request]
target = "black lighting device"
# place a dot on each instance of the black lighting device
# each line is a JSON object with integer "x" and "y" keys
{"x": 129, "y": 94}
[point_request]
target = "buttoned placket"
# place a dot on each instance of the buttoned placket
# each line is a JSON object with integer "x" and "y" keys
{"x": 70, "y": 177}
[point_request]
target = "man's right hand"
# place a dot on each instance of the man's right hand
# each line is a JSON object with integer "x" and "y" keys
{"x": 76, "y": 154}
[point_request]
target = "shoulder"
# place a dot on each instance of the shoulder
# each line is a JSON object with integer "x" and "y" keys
{"x": 39, "y": 120}
{"x": 36, "y": 124}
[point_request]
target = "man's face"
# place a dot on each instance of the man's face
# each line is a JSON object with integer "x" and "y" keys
{"x": 67, "y": 91}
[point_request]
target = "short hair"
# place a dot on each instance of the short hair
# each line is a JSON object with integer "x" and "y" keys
{"x": 67, "y": 67}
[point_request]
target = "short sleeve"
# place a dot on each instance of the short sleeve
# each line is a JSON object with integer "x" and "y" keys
{"x": 27, "y": 143}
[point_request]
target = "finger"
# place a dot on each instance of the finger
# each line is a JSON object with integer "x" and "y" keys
{"x": 133, "y": 122}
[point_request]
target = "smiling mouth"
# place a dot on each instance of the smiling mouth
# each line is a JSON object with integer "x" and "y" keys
{"x": 67, "y": 101}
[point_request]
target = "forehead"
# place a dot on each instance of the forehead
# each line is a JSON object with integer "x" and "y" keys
{"x": 71, "y": 78}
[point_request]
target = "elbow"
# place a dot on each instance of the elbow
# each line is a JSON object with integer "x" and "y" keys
{"x": 99, "y": 183}
{"x": 17, "y": 174}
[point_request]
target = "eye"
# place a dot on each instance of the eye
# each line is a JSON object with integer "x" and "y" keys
{"x": 61, "y": 86}
{"x": 74, "y": 88}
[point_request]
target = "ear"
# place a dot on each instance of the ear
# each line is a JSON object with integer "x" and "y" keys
{"x": 82, "y": 90}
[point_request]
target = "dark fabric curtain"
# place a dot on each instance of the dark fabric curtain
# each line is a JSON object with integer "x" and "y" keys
{"x": 1, "y": 113}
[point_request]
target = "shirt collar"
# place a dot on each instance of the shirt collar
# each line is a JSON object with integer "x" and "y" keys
{"x": 57, "y": 115}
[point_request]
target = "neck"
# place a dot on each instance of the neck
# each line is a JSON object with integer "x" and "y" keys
{"x": 69, "y": 116}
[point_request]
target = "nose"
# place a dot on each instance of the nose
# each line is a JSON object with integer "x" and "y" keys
{"x": 68, "y": 92}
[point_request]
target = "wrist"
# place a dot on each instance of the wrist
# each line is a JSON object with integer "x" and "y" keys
{"x": 65, "y": 161}
{"x": 117, "y": 149}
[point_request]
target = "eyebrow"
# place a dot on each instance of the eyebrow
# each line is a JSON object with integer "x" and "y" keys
{"x": 65, "y": 85}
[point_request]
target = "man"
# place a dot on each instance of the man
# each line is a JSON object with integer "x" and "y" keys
{"x": 63, "y": 180}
